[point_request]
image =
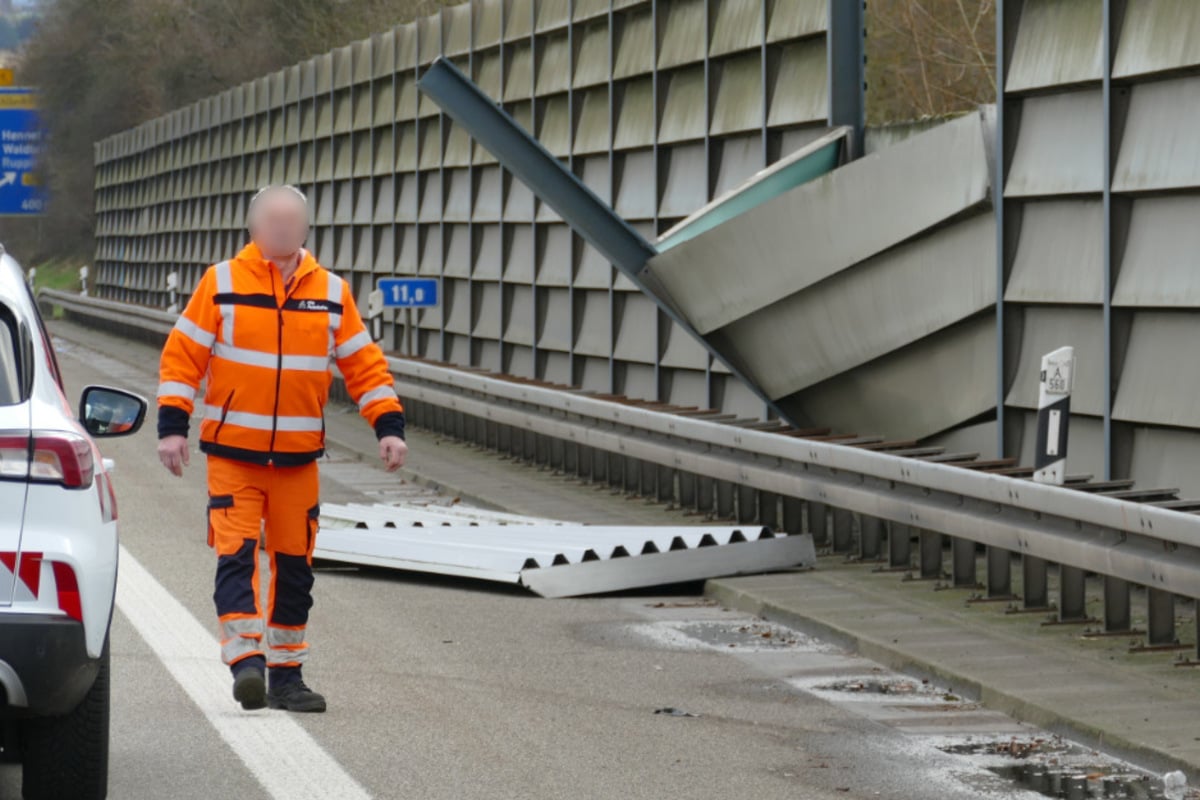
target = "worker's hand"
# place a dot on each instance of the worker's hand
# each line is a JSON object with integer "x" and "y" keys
{"x": 173, "y": 453}
{"x": 392, "y": 451}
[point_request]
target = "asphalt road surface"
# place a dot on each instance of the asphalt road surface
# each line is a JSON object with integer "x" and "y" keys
{"x": 442, "y": 688}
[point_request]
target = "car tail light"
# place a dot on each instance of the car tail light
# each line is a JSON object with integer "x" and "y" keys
{"x": 14, "y": 456}
{"x": 47, "y": 457}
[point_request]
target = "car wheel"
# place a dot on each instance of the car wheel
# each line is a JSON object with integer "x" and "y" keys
{"x": 67, "y": 756}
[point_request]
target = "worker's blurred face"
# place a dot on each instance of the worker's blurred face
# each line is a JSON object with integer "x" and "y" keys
{"x": 278, "y": 222}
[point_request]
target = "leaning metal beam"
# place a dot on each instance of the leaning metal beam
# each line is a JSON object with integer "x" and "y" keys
{"x": 845, "y": 69}
{"x": 547, "y": 177}
{"x": 524, "y": 157}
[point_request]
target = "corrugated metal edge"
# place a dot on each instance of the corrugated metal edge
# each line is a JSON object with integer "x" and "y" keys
{"x": 593, "y": 577}
{"x": 568, "y": 561}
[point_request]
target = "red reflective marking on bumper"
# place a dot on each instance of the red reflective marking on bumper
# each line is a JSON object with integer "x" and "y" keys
{"x": 68, "y": 590}
{"x": 30, "y": 572}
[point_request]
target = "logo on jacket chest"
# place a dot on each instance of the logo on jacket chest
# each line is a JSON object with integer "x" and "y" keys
{"x": 310, "y": 305}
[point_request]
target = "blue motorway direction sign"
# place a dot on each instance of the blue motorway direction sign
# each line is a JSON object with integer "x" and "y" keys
{"x": 21, "y": 135}
{"x": 409, "y": 292}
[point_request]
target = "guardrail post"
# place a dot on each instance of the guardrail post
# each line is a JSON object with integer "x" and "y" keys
{"x": 1072, "y": 594}
{"x": 599, "y": 470}
{"x": 963, "y": 562}
{"x": 1034, "y": 589}
{"x": 667, "y": 492}
{"x": 999, "y": 573}
{"x": 747, "y": 504}
{"x": 633, "y": 476}
{"x": 1117, "y": 616}
{"x": 1160, "y": 617}
{"x": 870, "y": 532}
{"x": 687, "y": 490}
{"x": 725, "y": 508}
{"x": 704, "y": 493}
{"x": 843, "y": 530}
{"x": 585, "y": 460}
{"x": 768, "y": 510}
{"x": 647, "y": 479}
{"x": 817, "y": 525}
{"x": 931, "y": 555}
{"x": 557, "y": 453}
{"x": 899, "y": 546}
{"x": 616, "y": 471}
{"x": 793, "y": 515}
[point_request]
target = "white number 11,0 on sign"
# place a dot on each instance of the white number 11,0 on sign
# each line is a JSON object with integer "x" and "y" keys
{"x": 400, "y": 294}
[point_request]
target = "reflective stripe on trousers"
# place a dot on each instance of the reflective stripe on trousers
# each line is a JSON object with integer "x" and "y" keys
{"x": 286, "y": 646}
{"x": 241, "y": 637}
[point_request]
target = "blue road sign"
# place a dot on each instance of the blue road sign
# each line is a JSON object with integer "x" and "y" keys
{"x": 409, "y": 292}
{"x": 21, "y": 137}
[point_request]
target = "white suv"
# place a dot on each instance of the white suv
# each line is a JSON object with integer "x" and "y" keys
{"x": 58, "y": 558}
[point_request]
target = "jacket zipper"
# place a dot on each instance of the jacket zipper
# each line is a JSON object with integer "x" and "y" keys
{"x": 278, "y": 359}
{"x": 278, "y": 367}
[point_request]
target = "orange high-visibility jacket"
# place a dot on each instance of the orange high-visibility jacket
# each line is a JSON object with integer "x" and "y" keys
{"x": 265, "y": 353}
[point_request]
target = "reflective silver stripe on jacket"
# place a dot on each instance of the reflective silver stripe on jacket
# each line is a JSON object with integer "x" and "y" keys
{"x": 176, "y": 389}
{"x": 225, "y": 286}
{"x": 195, "y": 332}
{"x": 262, "y": 422}
{"x": 378, "y": 393}
{"x": 352, "y": 345}
{"x": 258, "y": 358}
{"x": 334, "y": 294}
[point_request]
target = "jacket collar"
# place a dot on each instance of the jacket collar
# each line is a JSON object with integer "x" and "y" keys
{"x": 253, "y": 258}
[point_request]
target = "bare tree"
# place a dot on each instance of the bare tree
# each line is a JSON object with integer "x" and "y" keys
{"x": 929, "y": 57}
{"x": 106, "y": 65}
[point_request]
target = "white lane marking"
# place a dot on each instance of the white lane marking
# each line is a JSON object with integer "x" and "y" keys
{"x": 276, "y": 749}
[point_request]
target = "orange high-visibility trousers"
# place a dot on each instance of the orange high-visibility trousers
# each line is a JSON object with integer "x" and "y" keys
{"x": 249, "y": 505}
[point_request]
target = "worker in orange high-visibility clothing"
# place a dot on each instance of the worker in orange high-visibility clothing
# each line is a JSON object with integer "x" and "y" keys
{"x": 261, "y": 330}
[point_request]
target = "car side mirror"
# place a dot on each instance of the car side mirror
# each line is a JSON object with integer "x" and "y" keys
{"x": 105, "y": 411}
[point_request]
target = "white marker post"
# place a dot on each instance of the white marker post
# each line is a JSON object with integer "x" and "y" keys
{"x": 173, "y": 293}
{"x": 83, "y": 273}
{"x": 1054, "y": 413}
{"x": 375, "y": 314}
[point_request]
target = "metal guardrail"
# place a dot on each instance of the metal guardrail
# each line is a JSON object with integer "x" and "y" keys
{"x": 732, "y": 470}
{"x": 114, "y": 314}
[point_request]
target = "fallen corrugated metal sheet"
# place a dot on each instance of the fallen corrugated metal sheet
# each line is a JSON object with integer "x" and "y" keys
{"x": 422, "y": 515}
{"x": 553, "y": 559}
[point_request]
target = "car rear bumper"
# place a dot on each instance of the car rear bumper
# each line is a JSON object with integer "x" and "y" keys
{"x": 45, "y": 668}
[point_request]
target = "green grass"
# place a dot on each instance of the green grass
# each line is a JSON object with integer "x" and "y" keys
{"x": 58, "y": 274}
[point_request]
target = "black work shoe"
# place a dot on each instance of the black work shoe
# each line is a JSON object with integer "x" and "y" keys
{"x": 295, "y": 696}
{"x": 250, "y": 688}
